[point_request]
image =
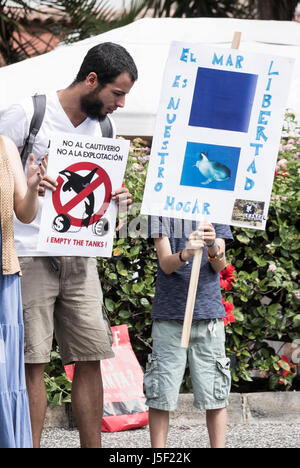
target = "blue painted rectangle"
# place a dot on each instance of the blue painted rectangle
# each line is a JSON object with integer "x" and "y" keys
{"x": 223, "y": 99}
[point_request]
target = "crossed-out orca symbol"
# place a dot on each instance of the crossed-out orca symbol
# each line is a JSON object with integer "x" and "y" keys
{"x": 83, "y": 187}
{"x": 77, "y": 183}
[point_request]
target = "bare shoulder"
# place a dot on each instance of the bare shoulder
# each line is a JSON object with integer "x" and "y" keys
{"x": 9, "y": 144}
{"x": 11, "y": 150}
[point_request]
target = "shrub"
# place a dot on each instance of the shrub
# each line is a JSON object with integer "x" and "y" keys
{"x": 266, "y": 291}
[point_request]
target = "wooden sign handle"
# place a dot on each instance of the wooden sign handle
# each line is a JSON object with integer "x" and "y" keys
{"x": 236, "y": 40}
{"x": 190, "y": 304}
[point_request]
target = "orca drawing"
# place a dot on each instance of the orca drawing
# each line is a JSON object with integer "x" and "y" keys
{"x": 77, "y": 183}
{"x": 212, "y": 170}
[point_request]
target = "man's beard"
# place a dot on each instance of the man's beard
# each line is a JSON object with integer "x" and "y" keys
{"x": 92, "y": 105}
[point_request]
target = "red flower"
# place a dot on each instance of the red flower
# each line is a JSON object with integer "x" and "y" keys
{"x": 227, "y": 277}
{"x": 285, "y": 372}
{"x": 284, "y": 173}
{"x": 228, "y": 306}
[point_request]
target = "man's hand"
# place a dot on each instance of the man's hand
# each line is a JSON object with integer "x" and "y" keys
{"x": 123, "y": 199}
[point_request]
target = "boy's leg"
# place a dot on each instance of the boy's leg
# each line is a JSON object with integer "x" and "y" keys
{"x": 163, "y": 377}
{"x": 216, "y": 421}
{"x": 159, "y": 426}
{"x": 210, "y": 372}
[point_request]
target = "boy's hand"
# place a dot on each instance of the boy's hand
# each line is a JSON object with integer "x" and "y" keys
{"x": 207, "y": 232}
{"x": 195, "y": 242}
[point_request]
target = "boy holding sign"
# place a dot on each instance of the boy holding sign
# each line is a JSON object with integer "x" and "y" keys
{"x": 176, "y": 242}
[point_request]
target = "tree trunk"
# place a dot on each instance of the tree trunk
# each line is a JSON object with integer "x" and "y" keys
{"x": 282, "y": 10}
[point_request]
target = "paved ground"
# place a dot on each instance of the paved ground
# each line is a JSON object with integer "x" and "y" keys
{"x": 260, "y": 435}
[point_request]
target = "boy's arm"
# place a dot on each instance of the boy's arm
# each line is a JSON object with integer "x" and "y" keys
{"x": 171, "y": 262}
{"x": 216, "y": 255}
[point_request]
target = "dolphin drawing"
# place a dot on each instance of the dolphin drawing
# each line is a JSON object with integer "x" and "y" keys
{"x": 77, "y": 183}
{"x": 212, "y": 170}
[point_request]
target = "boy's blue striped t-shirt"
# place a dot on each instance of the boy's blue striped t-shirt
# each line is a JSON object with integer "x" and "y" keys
{"x": 172, "y": 290}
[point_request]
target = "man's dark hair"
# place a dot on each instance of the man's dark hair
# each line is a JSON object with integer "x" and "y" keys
{"x": 108, "y": 61}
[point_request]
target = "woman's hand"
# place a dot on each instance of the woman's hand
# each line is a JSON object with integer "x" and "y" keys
{"x": 46, "y": 182}
{"x": 35, "y": 172}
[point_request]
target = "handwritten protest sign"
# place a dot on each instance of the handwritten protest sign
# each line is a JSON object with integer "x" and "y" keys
{"x": 79, "y": 217}
{"x": 216, "y": 140}
{"x": 217, "y": 135}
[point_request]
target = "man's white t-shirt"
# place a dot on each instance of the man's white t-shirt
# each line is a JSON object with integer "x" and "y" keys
{"x": 15, "y": 123}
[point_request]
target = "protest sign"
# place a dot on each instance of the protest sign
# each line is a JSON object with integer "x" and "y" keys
{"x": 217, "y": 135}
{"x": 79, "y": 217}
{"x": 216, "y": 140}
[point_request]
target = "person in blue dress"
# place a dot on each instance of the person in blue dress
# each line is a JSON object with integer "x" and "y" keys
{"x": 21, "y": 198}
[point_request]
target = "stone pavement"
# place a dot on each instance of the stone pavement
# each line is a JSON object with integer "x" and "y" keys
{"x": 257, "y": 435}
{"x": 255, "y": 420}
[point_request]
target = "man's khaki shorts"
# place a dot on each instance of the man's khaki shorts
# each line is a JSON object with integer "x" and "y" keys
{"x": 64, "y": 296}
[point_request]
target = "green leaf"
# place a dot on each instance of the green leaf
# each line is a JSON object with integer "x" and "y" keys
{"x": 145, "y": 302}
{"x": 246, "y": 353}
{"x": 126, "y": 288}
{"x": 109, "y": 304}
{"x": 238, "y": 330}
{"x": 273, "y": 309}
{"x": 135, "y": 250}
{"x": 243, "y": 239}
{"x": 284, "y": 365}
{"x": 124, "y": 314}
{"x": 260, "y": 261}
{"x": 138, "y": 287}
{"x": 296, "y": 320}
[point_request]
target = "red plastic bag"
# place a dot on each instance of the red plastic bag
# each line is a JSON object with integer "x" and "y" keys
{"x": 122, "y": 376}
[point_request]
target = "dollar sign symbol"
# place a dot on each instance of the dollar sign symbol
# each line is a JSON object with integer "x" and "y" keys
{"x": 58, "y": 223}
{"x": 61, "y": 223}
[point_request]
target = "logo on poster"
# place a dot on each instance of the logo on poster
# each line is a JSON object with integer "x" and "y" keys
{"x": 82, "y": 187}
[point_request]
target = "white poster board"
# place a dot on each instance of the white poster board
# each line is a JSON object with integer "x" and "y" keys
{"x": 79, "y": 218}
{"x": 217, "y": 135}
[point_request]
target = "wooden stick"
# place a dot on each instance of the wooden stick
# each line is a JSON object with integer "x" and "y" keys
{"x": 236, "y": 40}
{"x": 190, "y": 304}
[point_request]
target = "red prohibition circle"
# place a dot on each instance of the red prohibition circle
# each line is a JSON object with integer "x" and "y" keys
{"x": 102, "y": 178}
